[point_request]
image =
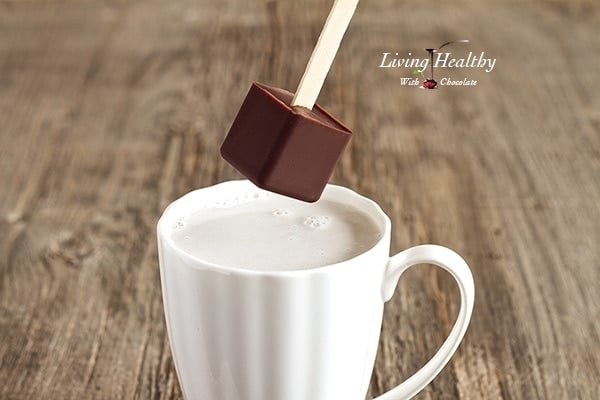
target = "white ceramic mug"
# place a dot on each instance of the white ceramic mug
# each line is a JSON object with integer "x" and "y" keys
{"x": 290, "y": 335}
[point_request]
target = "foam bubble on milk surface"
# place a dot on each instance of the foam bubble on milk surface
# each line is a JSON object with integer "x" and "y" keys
{"x": 313, "y": 222}
{"x": 317, "y": 222}
{"x": 280, "y": 212}
{"x": 179, "y": 224}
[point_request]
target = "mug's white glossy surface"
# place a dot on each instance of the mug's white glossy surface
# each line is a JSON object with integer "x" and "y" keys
{"x": 289, "y": 335}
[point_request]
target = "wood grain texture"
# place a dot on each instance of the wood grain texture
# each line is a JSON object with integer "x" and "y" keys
{"x": 109, "y": 111}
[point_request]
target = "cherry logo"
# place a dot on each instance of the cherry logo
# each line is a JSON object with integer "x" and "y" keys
{"x": 429, "y": 83}
{"x": 432, "y": 83}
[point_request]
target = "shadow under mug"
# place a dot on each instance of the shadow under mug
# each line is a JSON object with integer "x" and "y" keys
{"x": 309, "y": 334}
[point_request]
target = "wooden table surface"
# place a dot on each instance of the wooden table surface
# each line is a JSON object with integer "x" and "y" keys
{"x": 110, "y": 110}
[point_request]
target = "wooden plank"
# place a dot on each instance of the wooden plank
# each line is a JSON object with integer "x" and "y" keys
{"x": 110, "y": 111}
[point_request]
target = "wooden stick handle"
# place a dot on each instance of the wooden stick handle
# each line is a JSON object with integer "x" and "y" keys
{"x": 322, "y": 56}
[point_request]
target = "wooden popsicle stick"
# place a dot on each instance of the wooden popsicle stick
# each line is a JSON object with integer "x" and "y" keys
{"x": 324, "y": 52}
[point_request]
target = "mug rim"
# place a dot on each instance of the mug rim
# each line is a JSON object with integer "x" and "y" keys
{"x": 165, "y": 221}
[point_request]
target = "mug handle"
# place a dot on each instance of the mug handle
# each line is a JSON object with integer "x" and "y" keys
{"x": 458, "y": 268}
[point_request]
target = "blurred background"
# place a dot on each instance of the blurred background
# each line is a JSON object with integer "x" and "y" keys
{"x": 109, "y": 110}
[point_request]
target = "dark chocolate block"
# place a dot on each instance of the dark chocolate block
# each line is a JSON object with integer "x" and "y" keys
{"x": 291, "y": 151}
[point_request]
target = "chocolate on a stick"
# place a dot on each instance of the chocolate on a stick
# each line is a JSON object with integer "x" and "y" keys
{"x": 286, "y": 143}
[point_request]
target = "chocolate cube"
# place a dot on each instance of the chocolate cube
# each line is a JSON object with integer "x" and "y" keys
{"x": 284, "y": 149}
